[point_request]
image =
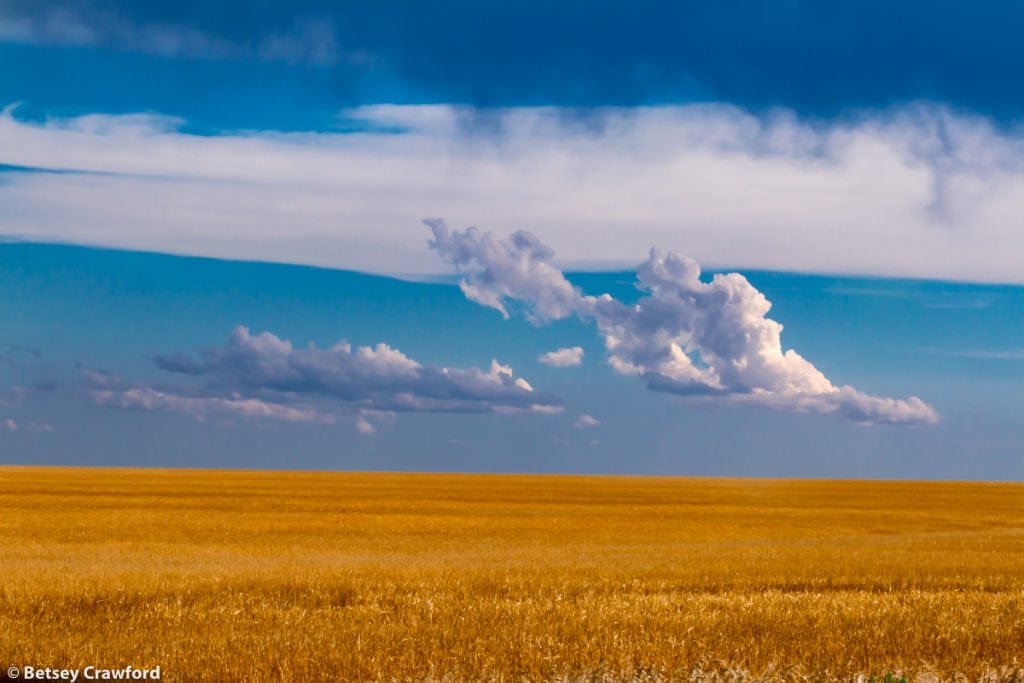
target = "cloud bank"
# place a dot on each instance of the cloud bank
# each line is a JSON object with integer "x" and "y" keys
{"x": 914, "y": 191}
{"x": 264, "y": 376}
{"x": 708, "y": 340}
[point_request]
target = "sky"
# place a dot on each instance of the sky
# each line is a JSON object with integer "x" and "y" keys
{"x": 737, "y": 238}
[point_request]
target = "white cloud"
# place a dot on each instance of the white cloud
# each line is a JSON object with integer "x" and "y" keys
{"x": 201, "y": 407}
{"x": 706, "y": 340}
{"x": 363, "y": 426}
{"x": 517, "y": 268}
{"x": 586, "y": 421}
{"x": 563, "y": 358}
{"x": 916, "y": 191}
{"x": 264, "y": 376}
{"x": 307, "y": 41}
{"x": 11, "y": 425}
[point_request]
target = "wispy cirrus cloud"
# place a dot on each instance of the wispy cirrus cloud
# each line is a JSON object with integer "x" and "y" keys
{"x": 707, "y": 340}
{"x": 303, "y": 40}
{"x": 201, "y": 407}
{"x": 1015, "y": 354}
{"x": 12, "y": 425}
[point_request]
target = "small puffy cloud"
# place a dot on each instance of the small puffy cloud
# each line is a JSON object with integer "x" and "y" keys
{"x": 8, "y": 425}
{"x": 95, "y": 377}
{"x": 563, "y": 358}
{"x": 264, "y": 376}
{"x": 708, "y": 340}
{"x": 363, "y": 426}
{"x": 586, "y": 421}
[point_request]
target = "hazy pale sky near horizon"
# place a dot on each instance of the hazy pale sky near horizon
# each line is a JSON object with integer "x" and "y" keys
{"x": 769, "y": 139}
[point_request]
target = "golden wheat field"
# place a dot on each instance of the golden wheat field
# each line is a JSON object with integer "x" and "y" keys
{"x": 260, "y": 576}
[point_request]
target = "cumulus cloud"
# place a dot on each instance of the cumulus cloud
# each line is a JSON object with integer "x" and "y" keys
{"x": 586, "y": 421}
{"x": 369, "y": 377}
{"x": 517, "y": 268}
{"x": 563, "y": 358}
{"x": 710, "y": 340}
{"x": 938, "y": 192}
{"x": 262, "y": 375}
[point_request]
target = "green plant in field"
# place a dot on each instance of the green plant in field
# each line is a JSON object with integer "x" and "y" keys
{"x": 890, "y": 677}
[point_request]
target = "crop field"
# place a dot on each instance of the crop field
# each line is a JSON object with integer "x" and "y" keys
{"x": 265, "y": 576}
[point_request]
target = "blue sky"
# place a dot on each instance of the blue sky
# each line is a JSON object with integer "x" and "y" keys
{"x": 117, "y": 311}
{"x": 275, "y": 64}
{"x": 861, "y": 166}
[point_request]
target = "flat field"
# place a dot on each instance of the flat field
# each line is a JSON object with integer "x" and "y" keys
{"x": 224, "y": 576}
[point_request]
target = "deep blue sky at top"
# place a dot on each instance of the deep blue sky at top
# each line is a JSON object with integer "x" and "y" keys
{"x": 226, "y": 65}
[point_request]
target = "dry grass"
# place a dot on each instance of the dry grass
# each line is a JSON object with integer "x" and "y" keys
{"x": 221, "y": 576}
